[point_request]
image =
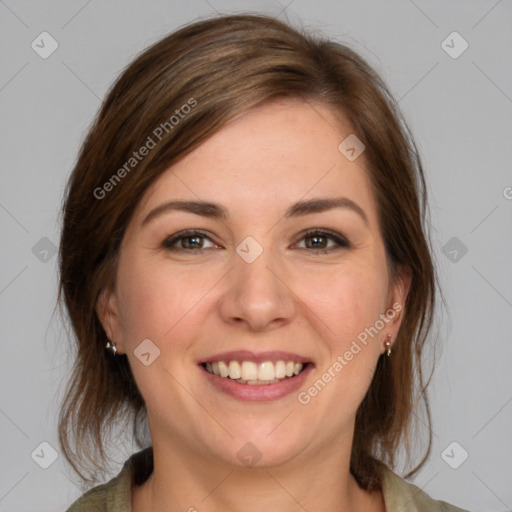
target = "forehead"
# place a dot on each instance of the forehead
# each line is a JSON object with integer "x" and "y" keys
{"x": 272, "y": 156}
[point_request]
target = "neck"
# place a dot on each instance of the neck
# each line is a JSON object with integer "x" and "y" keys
{"x": 185, "y": 481}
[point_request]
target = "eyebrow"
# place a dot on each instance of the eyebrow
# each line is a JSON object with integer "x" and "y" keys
{"x": 216, "y": 211}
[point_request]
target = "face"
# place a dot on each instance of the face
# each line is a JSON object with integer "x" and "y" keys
{"x": 260, "y": 279}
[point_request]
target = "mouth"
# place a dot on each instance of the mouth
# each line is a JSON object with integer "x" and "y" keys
{"x": 252, "y": 373}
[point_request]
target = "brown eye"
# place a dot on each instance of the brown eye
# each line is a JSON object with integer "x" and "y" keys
{"x": 318, "y": 240}
{"x": 186, "y": 241}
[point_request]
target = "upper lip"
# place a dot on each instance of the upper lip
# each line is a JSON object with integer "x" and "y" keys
{"x": 256, "y": 357}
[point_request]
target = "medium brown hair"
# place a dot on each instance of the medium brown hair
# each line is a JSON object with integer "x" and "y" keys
{"x": 227, "y": 66}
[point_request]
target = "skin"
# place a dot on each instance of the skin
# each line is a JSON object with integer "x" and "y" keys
{"x": 292, "y": 297}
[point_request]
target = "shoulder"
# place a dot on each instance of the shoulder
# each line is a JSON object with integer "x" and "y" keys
{"x": 115, "y": 495}
{"x": 407, "y": 497}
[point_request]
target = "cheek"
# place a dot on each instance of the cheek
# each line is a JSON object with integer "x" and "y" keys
{"x": 164, "y": 306}
{"x": 157, "y": 300}
{"x": 346, "y": 306}
{"x": 347, "y": 300}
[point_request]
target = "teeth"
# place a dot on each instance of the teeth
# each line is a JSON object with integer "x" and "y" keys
{"x": 223, "y": 369}
{"x": 266, "y": 371}
{"x": 260, "y": 382}
{"x": 248, "y": 372}
{"x": 234, "y": 370}
{"x": 280, "y": 369}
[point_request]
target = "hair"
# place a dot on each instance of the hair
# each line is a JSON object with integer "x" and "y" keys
{"x": 221, "y": 68}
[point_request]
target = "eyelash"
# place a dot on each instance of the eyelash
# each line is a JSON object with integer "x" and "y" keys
{"x": 342, "y": 243}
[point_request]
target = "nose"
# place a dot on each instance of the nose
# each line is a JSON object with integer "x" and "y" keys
{"x": 258, "y": 295}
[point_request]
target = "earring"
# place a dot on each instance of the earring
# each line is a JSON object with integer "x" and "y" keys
{"x": 111, "y": 346}
{"x": 388, "y": 345}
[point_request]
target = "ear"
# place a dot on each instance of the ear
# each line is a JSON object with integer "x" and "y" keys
{"x": 399, "y": 291}
{"x": 108, "y": 313}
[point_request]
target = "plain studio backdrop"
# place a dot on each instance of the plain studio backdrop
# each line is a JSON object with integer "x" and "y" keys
{"x": 448, "y": 64}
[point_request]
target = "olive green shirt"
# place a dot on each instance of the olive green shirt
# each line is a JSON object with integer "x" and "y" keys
{"x": 116, "y": 495}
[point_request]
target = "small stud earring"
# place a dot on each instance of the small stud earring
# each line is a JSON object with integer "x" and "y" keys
{"x": 388, "y": 345}
{"x": 111, "y": 346}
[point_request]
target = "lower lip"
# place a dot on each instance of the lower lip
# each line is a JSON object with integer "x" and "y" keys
{"x": 263, "y": 392}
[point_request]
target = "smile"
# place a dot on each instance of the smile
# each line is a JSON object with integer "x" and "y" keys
{"x": 255, "y": 374}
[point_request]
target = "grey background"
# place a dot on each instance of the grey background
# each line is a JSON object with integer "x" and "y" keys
{"x": 460, "y": 112}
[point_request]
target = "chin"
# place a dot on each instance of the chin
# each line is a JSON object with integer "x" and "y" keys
{"x": 259, "y": 451}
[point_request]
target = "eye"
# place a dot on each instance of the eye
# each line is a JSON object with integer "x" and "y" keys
{"x": 316, "y": 240}
{"x": 188, "y": 240}
{"x": 319, "y": 241}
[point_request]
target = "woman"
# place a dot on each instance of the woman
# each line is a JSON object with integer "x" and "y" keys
{"x": 245, "y": 268}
